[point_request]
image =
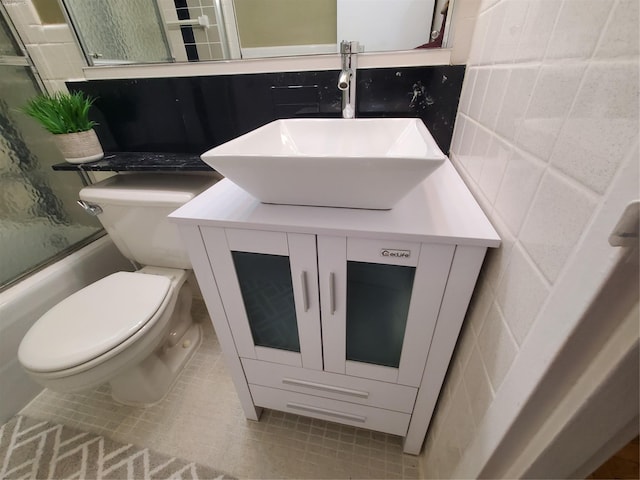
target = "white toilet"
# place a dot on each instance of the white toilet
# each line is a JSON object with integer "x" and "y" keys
{"x": 131, "y": 329}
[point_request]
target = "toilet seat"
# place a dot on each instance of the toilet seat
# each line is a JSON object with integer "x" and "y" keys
{"x": 94, "y": 321}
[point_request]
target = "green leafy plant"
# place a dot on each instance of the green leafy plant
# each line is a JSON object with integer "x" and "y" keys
{"x": 61, "y": 112}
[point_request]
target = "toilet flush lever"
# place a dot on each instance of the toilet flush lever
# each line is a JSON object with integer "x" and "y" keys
{"x": 91, "y": 209}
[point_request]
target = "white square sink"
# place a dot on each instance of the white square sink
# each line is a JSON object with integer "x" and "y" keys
{"x": 355, "y": 163}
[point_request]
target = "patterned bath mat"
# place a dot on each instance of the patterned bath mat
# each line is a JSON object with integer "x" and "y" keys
{"x": 33, "y": 449}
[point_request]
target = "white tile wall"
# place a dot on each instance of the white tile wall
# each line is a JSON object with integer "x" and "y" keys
{"x": 537, "y": 30}
{"x": 615, "y": 40}
{"x": 579, "y": 25}
{"x": 51, "y": 47}
{"x": 497, "y": 346}
{"x": 558, "y": 216}
{"x": 548, "y": 115}
{"x": 494, "y": 25}
{"x": 478, "y": 93}
{"x": 516, "y": 99}
{"x": 521, "y": 292}
{"x": 507, "y": 41}
{"x": 551, "y": 98}
{"x": 601, "y": 125}
{"x": 492, "y": 102}
{"x": 519, "y": 184}
{"x": 478, "y": 385}
{"x": 493, "y": 168}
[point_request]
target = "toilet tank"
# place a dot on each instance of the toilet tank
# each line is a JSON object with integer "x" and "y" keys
{"x": 134, "y": 213}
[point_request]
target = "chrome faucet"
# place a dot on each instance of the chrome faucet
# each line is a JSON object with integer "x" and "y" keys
{"x": 347, "y": 78}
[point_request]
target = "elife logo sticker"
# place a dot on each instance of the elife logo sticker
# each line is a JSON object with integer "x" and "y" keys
{"x": 388, "y": 252}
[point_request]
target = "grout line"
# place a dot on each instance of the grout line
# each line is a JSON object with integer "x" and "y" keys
{"x": 604, "y": 30}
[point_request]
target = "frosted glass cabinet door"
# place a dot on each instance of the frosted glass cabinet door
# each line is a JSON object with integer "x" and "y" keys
{"x": 378, "y": 298}
{"x": 267, "y": 294}
{"x": 380, "y": 301}
{"x": 268, "y": 285}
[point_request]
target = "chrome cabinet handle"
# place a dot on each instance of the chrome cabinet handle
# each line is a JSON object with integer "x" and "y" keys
{"x": 328, "y": 388}
{"x": 305, "y": 293}
{"x": 332, "y": 292}
{"x": 324, "y": 411}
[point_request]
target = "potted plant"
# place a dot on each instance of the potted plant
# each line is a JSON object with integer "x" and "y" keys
{"x": 66, "y": 115}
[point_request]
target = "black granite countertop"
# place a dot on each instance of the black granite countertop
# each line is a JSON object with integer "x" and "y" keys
{"x": 141, "y": 162}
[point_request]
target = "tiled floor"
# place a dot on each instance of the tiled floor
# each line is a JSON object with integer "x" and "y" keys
{"x": 201, "y": 420}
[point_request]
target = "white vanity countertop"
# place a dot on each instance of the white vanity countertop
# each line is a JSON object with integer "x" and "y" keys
{"x": 439, "y": 210}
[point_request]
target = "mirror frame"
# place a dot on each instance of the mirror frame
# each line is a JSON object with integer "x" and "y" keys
{"x": 275, "y": 64}
{"x": 444, "y": 55}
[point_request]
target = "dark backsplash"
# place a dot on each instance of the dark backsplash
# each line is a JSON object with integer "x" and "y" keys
{"x": 194, "y": 114}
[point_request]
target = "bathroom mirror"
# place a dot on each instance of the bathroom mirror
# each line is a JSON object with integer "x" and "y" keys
{"x": 115, "y": 32}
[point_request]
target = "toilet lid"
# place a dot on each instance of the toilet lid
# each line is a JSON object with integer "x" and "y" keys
{"x": 92, "y": 321}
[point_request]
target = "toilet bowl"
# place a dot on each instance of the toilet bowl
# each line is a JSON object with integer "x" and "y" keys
{"x": 119, "y": 330}
{"x": 132, "y": 330}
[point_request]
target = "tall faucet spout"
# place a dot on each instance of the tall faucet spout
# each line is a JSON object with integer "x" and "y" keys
{"x": 347, "y": 78}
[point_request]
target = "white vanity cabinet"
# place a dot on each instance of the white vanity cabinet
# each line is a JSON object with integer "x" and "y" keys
{"x": 340, "y": 314}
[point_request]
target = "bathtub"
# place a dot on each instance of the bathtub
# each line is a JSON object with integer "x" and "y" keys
{"x": 22, "y": 304}
{"x": 35, "y": 242}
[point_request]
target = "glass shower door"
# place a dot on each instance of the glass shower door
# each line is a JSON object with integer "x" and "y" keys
{"x": 119, "y": 31}
{"x": 39, "y": 219}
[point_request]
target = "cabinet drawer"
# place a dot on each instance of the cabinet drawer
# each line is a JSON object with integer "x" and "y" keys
{"x": 331, "y": 385}
{"x": 331, "y": 410}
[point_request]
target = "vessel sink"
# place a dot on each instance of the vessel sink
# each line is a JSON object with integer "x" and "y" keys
{"x": 355, "y": 163}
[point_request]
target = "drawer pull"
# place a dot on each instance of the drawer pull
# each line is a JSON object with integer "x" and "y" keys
{"x": 324, "y": 411}
{"x": 328, "y": 388}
